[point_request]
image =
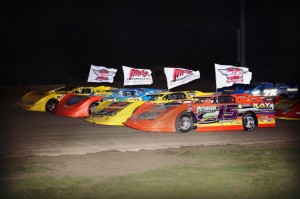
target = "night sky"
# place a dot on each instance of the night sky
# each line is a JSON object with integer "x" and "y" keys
{"x": 47, "y": 42}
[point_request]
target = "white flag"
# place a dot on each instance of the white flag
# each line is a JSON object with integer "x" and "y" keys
{"x": 101, "y": 74}
{"x": 227, "y": 75}
{"x": 134, "y": 76}
{"x": 179, "y": 76}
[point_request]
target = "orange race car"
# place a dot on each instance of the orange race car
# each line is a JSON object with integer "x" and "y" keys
{"x": 210, "y": 113}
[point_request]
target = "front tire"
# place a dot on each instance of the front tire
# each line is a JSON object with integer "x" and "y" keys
{"x": 184, "y": 123}
{"x": 249, "y": 121}
{"x": 50, "y": 105}
{"x": 92, "y": 108}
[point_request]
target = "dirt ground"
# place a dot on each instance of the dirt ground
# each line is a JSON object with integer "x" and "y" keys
{"x": 63, "y": 147}
{"x": 101, "y": 164}
{"x": 106, "y": 164}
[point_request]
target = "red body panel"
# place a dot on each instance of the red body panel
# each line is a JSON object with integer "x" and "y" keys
{"x": 288, "y": 109}
{"x": 79, "y": 108}
{"x": 165, "y": 123}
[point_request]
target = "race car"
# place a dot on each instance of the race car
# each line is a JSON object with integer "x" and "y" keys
{"x": 46, "y": 101}
{"x": 115, "y": 113}
{"x": 169, "y": 96}
{"x": 261, "y": 89}
{"x": 81, "y": 102}
{"x": 196, "y": 93}
{"x": 91, "y": 90}
{"x": 130, "y": 94}
{"x": 209, "y": 113}
{"x": 288, "y": 108}
{"x": 43, "y": 101}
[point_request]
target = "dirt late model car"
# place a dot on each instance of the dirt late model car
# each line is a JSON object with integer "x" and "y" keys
{"x": 43, "y": 101}
{"x": 91, "y": 90}
{"x": 261, "y": 89}
{"x": 288, "y": 108}
{"x": 130, "y": 94}
{"x": 115, "y": 113}
{"x": 81, "y": 102}
{"x": 169, "y": 96}
{"x": 211, "y": 113}
{"x": 46, "y": 101}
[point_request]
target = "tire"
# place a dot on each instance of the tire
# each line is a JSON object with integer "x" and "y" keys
{"x": 249, "y": 121}
{"x": 92, "y": 107}
{"x": 50, "y": 105}
{"x": 184, "y": 123}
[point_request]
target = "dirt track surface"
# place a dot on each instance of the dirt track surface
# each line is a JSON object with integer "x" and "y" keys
{"x": 45, "y": 134}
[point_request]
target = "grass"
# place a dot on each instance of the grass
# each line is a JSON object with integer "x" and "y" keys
{"x": 252, "y": 171}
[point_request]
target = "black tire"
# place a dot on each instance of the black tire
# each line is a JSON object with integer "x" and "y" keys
{"x": 249, "y": 121}
{"x": 51, "y": 104}
{"x": 92, "y": 107}
{"x": 184, "y": 123}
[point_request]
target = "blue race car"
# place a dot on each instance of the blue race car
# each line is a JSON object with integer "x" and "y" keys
{"x": 131, "y": 94}
{"x": 271, "y": 89}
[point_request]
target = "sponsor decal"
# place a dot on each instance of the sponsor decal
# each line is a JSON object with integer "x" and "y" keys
{"x": 227, "y": 75}
{"x": 233, "y": 74}
{"x": 101, "y": 74}
{"x": 263, "y": 105}
{"x": 210, "y": 114}
{"x": 180, "y": 74}
{"x": 137, "y": 76}
{"x": 138, "y": 73}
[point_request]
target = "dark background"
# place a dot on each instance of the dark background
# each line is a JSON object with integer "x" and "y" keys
{"x": 54, "y": 42}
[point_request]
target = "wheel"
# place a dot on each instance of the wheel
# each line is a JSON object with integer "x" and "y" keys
{"x": 184, "y": 123}
{"x": 92, "y": 108}
{"x": 51, "y": 104}
{"x": 249, "y": 121}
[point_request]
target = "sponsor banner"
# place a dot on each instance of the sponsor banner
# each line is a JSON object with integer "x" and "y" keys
{"x": 178, "y": 76}
{"x": 226, "y": 75}
{"x": 134, "y": 76}
{"x": 101, "y": 74}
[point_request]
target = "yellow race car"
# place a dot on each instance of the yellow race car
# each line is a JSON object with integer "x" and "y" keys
{"x": 195, "y": 93}
{"x": 170, "y": 96}
{"x": 113, "y": 113}
{"x": 46, "y": 101}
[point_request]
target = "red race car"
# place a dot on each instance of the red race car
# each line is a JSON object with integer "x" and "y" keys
{"x": 211, "y": 113}
{"x": 77, "y": 105}
{"x": 81, "y": 102}
{"x": 288, "y": 108}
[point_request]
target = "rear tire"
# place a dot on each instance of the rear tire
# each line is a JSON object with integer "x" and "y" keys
{"x": 184, "y": 123}
{"x": 249, "y": 121}
{"x": 50, "y": 105}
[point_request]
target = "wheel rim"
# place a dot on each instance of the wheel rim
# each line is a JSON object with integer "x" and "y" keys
{"x": 185, "y": 123}
{"x": 249, "y": 122}
{"x": 92, "y": 108}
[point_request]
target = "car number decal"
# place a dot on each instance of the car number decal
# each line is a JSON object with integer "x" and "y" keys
{"x": 210, "y": 114}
